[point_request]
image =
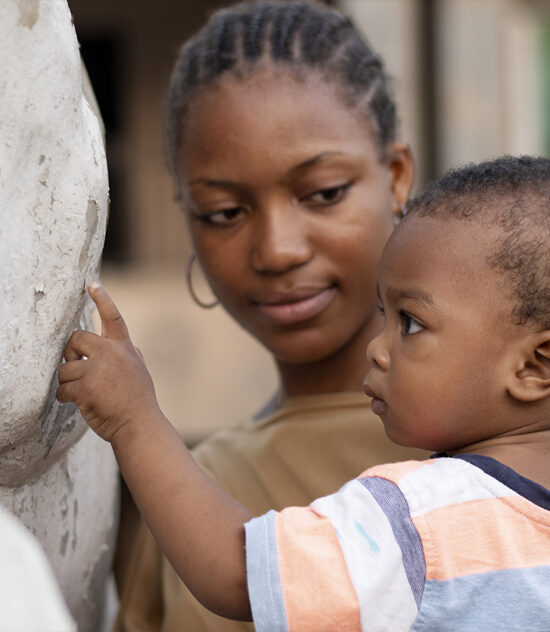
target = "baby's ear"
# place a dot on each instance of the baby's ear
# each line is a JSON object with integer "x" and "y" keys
{"x": 531, "y": 381}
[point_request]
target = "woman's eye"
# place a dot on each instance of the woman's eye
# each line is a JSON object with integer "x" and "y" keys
{"x": 223, "y": 217}
{"x": 325, "y": 197}
{"x": 409, "y": 325}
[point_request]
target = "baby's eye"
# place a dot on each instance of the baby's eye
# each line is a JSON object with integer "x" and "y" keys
{"x": 222, "y": 218}
{"x": 326, "y": 197}
{"x": 380, "y": 309}
{"x": 409, "y": 325}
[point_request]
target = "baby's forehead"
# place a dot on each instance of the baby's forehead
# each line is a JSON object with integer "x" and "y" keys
{"x": 449, "y": 248}
{"x": 446, "y": 235}
{"x": 488, "y": 223}
{"x": 447, "y": 262}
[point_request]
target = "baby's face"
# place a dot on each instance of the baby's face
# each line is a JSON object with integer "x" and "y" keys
{"x": 439, "y": 363}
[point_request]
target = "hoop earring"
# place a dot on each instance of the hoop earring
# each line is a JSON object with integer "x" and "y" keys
{"x": 188, "y": 272}
{"x": 399, "y": 215}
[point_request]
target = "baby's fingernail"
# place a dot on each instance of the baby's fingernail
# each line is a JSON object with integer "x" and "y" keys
{"x": 94, "y": 285}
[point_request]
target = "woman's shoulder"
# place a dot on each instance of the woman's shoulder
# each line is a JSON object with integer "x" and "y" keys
{"x": 307, "y": 448}
{"x": 292, "y": 417}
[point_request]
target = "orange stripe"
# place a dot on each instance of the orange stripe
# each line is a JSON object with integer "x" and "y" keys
{"x": 396, "y": 471}
{"x": 484, "y": 535}
{"x": 317, "y": 589}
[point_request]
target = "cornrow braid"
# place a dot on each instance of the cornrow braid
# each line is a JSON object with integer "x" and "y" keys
{"x": 299, "y": 34}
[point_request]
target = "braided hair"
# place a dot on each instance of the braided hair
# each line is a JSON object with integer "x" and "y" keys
{"x": 299, "y": 35}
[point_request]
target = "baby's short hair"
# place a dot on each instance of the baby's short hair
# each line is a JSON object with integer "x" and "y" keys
{"x": 512, "y": 193}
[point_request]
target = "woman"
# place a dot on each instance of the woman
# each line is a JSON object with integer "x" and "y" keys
{"x": 283, "y": 142}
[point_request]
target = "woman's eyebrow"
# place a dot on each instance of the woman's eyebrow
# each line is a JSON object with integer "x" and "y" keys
{"x": 316, "y": 159}
{"x": 209, "y": 182}
{"x": 228, "y": 184}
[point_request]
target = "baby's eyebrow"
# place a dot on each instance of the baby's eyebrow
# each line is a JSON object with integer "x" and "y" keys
{"x": 414, "y": 294}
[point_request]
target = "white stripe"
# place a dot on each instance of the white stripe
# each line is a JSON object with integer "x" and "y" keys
{"x": 373, "y": 558}
{"x": 448, "y": 481}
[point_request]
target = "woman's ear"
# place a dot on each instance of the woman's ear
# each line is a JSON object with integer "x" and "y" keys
{"x": 531, "y": 380}
{"x": 401, "y": 168}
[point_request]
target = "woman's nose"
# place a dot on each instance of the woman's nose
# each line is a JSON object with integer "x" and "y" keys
{"x": 377, "y": 352}
{"x": 281, "y": 240}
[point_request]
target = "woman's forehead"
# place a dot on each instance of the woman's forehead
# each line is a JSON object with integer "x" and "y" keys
{"x": 275, "y": 100}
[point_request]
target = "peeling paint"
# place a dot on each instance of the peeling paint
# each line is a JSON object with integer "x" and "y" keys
{"x": 64, "y": 506}
{"x": 38, "y": 296}
{"x": 74, "y": 539}
{"x": 64, "y": 540}
{"x": 55, "y": 416}
{"x": 97, "y": 579}
{"x": 92, "y": 216}
{"x": 29, "y": 12}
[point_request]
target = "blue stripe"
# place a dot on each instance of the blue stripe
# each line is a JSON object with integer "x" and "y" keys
{"x": 525, "y": 487}
{"x": 394, "y": 504}
{"x": 264, "y": 581}
{"x": 511, "y": 600}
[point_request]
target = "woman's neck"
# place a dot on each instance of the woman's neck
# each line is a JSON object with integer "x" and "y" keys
{"x": 343, "y": 371}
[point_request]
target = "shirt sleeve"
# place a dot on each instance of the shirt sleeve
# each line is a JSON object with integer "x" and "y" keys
{"x": 336, "y": 565}
{"x": 30, "y": 597}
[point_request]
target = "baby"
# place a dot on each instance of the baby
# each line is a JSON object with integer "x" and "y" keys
{"x": 461, "y": 367}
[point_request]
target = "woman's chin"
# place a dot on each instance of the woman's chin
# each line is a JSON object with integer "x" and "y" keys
{"x": 302, "y": 348}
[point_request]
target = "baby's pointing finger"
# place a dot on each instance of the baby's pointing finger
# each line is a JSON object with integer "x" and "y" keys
{"x": 112, "y": 323}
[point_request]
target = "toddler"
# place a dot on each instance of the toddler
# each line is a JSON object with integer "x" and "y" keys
{"x": 461, "y": 367}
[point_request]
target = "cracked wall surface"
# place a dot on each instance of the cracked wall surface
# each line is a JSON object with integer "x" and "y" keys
{"x": 55, "y": 475}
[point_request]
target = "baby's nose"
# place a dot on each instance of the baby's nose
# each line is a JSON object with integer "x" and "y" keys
{"x": 377, "y": 352}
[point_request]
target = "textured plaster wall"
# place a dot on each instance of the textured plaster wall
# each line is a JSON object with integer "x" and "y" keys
{"x": 57, "y": 477}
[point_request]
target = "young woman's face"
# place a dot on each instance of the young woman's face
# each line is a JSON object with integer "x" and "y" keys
{"x": 289, "y": 207}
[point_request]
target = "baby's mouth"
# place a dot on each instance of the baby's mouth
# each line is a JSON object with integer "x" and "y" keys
{"x": 378, "y": 405}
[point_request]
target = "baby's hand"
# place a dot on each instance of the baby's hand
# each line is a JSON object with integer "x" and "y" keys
{"x": 105, "y": 375}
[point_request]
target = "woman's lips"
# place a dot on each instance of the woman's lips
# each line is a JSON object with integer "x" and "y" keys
{"x": 297, "y": 306}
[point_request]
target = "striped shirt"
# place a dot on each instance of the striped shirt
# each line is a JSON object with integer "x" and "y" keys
{"x": 459, "y": 544}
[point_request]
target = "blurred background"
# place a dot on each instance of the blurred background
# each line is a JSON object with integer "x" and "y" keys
{"x": 472, "y": 81}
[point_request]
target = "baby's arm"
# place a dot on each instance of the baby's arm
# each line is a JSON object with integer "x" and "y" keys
{"x": 198, "y": 527}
